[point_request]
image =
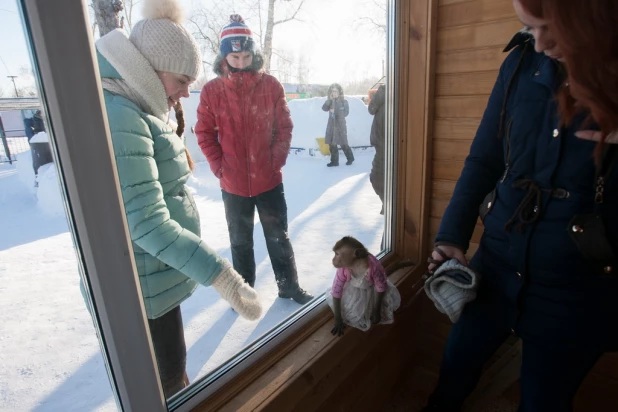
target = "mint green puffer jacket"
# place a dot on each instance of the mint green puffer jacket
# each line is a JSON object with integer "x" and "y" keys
{"x": 163, "y": 221}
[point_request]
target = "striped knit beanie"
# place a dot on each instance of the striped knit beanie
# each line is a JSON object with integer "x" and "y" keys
{"x": 236, "y": 37}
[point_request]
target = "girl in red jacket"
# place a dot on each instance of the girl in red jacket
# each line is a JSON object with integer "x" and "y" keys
{"x": 244, "y": 129}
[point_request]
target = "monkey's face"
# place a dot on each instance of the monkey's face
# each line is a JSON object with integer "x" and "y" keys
{"x": 344, "y": 257}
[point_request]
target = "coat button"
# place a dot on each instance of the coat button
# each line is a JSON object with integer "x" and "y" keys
{"x": 181, "y": 193}
{"x": 519, "y": 275}
{"x": 556, "y": 132}
{"x": 577, "y": 229}
{"x": 512, "y": 331}
{"x": 537, "y": 73}
{"x": 607, "y": 269}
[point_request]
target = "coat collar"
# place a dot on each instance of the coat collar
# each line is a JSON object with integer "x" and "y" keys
{"x": 136, "y": 71}
{"x": 545, "y": 70}
{"x": 239, "y": 80}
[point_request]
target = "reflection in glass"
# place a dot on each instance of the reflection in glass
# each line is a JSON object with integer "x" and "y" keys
{"x": 50, "y": 359}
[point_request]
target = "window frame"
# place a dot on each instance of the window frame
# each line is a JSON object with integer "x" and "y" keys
{"x": 64, "y": 56}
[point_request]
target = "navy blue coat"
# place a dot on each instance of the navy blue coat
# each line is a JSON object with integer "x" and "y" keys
{"x": 547, "y": 288}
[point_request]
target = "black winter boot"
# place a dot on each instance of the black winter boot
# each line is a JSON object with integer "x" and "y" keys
{"x": 347, "y": 150}
{"x": 299, "y": 296}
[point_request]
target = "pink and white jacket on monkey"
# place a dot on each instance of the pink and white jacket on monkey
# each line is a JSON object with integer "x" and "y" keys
{"x": 376, "y": 276}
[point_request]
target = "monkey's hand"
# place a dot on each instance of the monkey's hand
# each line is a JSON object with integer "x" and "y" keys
{"x": 242, "y": 297}
{"x": 338, "y": 328}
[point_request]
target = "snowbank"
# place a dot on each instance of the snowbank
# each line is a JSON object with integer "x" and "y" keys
{"x": 48, "y": 193}
{"x": 49, "y": 197}
{"x": 309, "y": 123}
{"x": 40, "y": 137}
{"x": 25, "y": 172}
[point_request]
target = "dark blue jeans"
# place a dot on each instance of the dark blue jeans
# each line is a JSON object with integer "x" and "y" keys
{"x": 549, "y": 378}
{"x": 273, "y": 213}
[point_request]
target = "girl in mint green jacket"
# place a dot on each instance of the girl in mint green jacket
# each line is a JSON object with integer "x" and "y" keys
{"x": 143, "y": 77}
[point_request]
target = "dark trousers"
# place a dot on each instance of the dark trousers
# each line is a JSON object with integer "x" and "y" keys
{"x": 376, "y": 176}
{"x": 334, "y": 153}
{"x": 273, "y": 213}
{"x": 168, "y": 339}
{"x": 549, "y": 378}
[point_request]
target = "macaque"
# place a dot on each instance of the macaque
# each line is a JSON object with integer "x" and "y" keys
{"x": 361, "y": 294}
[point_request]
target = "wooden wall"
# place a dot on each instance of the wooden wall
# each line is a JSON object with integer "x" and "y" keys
{"x": 470, "y": 37}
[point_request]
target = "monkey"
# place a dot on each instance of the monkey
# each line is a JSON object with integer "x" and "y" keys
{"x": 361, "y": 294}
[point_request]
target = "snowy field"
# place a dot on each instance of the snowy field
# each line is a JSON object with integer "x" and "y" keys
{"x": 49, "y": 355}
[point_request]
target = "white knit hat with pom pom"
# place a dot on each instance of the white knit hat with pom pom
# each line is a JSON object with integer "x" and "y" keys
{"x": 164, "y": 42}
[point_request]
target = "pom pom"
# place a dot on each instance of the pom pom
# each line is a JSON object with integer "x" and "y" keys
{"x": 236, "y": 18}
{"x": 163, "y": 9}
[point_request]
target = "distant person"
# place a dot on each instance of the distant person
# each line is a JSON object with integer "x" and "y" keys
{"x": 143, "y": 76}
{"x": 376, "y": 108}
{"x": 40, "y": 151}
{"x": 336, "y": 130}
{"x": 244, "y": 129}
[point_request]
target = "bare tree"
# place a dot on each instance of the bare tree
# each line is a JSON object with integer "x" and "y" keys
{"x": 27, "y": 85}
{"x": 107, "y": 15}
{"x": 303, "y": 69}
{"x": 270, "y": 28}
{"x": 285, "y": 65}
{"x": 207, "y": 23}
{"x": 128, "y": 14}
{"x": 375, "y": 22}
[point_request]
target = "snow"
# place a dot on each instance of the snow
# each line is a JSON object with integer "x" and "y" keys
{"x": 49, "y": 353}
{"x": 40, "y": 137}
{"x": 309, "y": 122}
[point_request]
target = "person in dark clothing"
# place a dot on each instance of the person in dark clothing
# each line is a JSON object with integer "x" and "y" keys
{"x": 336, "y": 129}
{"x": 376, "y": 138}
{"x": 40, "y": 151}
{"x": 537, "y": 184}
{"x": 246, "y": 150}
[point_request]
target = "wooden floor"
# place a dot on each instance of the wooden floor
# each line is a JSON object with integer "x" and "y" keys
{"x": 410, "y": 394}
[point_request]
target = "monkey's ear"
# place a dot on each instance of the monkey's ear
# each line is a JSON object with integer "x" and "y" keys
{"x": 357, "y": 253}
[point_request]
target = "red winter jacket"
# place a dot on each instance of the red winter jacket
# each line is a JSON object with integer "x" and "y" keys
{"x": 244, "y": 129}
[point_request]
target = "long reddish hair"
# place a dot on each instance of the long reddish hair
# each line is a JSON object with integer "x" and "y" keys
{"x": 587, "y": 34}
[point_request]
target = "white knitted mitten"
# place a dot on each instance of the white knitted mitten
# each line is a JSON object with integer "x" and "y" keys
{"x": 242, "y": 297}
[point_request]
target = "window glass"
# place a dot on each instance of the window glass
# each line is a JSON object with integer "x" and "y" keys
{"x": 50, "y": 356}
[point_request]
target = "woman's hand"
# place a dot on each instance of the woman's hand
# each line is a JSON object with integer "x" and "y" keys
{"x": 451, "y": 252}
{"x": 595, "y": 136}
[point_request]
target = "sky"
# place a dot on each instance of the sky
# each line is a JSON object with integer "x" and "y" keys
{"x": 328, "y": 38}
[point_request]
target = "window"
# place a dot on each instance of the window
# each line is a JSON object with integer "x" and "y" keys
{"x": 323, "y": 203}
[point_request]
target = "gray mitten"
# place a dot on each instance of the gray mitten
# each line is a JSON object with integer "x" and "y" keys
{"x": 242, "y": 297}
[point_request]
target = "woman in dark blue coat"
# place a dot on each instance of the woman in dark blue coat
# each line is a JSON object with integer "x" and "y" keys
{"x": 532, "y": 181}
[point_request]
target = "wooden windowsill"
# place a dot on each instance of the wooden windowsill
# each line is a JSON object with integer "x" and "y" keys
{"x": 290, "y": 362}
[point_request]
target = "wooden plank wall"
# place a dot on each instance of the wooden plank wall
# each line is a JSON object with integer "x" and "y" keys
{"x": 471, "y": 36}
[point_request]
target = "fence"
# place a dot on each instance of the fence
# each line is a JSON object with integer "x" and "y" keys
{"x": 11, "y": 146}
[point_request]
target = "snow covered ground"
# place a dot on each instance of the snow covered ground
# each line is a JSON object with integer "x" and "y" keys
{"x": 49, "y": 355}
